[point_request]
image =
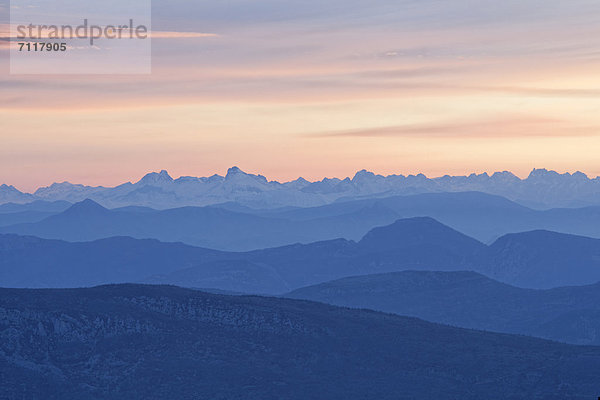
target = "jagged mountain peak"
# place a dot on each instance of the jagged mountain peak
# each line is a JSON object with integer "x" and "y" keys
{"x": 482, "y": 175}
{"x": 235, "y": 174}
{"x": 298, "y": 184}
{"x": 580, "y": 175}
{"x": 541, "y": 173}
{"x": 57, "y": 186}
{"x": 542, "y": 189}
{"x": 9, "y": 193}
{"x": 303, "y": 181}
{"x": 362, "y": 174}
{"x": 153, "y": 178}
{"x": 505, "y": 175}
{"x": 10, "y": 189}
{"x": 234, "y": 171}
{"x": 66, "y": 191}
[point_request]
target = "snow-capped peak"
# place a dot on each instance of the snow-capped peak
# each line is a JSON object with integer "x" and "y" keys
{"x": 231, "y": 172}
{"x": 362, "y": 175}
{"x": 543, "y": 188}
{"x": 542, "y": 173}
{"x": 156, "y": 178}
{"x": 235, "y": 174}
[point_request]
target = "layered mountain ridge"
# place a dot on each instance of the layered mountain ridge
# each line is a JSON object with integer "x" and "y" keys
{"x": 541, "y": 189}
{"x": 470, "y": 300}
{"x": 234, "y": 227}
{"x": 537, "y": 259}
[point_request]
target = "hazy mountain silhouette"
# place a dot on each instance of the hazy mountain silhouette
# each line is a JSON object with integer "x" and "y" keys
{"x": 408, "y": 244}
{"x": 39, "y": 205}
{"x": 23, "y": 217}
{"x": 13, "y": 213}
{"x": 413, "y": 243}
{"x": 471, "y": 300}
{"x": 141, "y": 342}
{"x": 482, "y": 216}
{"x": 418, "y": 233}
{"x": 211, "y": 227}
{"x": 234, "y": 228}
{"x": 33, "y": 262}
{"x": 418, "y": 243}
{"x": 544, "y": 259}
{"x": 206, "y": 226}
{"x": 536, "y": 259}
{"x": 10, "y": 194}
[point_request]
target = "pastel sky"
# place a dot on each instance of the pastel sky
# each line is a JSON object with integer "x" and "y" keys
{"x": 319, "y": 88}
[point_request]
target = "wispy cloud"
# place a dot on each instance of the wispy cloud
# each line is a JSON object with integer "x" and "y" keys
{"x": 546, "y": 92}
{"x": 244, "y": 80}
{"x": 496, "y": 127}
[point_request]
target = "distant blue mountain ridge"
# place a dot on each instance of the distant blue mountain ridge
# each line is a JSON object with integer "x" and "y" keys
{"x": 538, "y": 259}
{"x": 541, "y": 189}
{"x": 232, "y": 227}
{"x": 568, "y": 314}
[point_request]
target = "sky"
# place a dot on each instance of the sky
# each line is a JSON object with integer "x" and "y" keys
{"x": 321, "y": 89}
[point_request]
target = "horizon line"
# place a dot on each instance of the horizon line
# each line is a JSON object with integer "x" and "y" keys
{"x": 236, "y": 169}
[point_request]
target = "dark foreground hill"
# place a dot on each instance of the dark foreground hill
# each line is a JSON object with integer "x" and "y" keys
{"x": 140, "y": 342}
{"x": 470, "y": 300}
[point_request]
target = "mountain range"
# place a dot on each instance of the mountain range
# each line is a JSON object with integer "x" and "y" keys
{"x": 211, "y": 227}
{"x": 538, "y": 259}
{"x": 141, "y": 342}
{"x": 27, "y": 261}
{"x": 232, "y": 227}
{"x": 541, "y": 189}
{"x": 470, "y": 300}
